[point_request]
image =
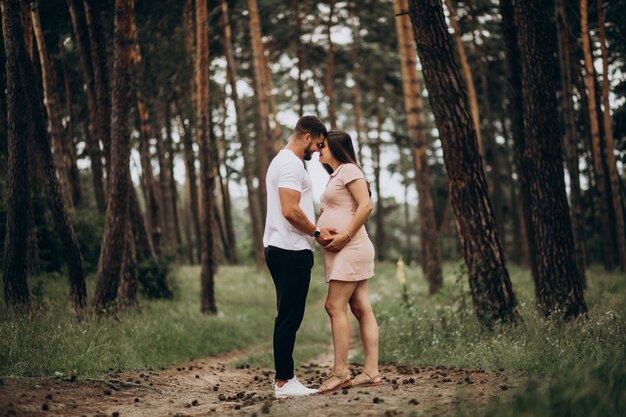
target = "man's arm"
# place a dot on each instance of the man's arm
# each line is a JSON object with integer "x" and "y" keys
{"x": 290, "y": 205}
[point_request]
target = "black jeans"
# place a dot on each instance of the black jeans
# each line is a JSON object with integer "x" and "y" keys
{"x": 291, "y": 272}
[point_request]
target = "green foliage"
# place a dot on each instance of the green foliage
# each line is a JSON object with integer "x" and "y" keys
{"x": 153, "y": 277}
{"x": 580, "y": 364}
{"x": 160, "y": 333}
{"x": 88, "y": 226}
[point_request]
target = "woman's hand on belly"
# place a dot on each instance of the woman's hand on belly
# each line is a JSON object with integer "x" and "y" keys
{"x": 339, "y": 242}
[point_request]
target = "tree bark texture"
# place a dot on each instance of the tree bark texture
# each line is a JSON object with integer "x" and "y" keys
{"x": 209, "y": 266}
{"x": 467, "y": 72}
{"x": 117, "y": 215}
{"x": 254, "y": 206}
{"x": 608, "y": 140}
{"x": 53, "y": 107}
{"x": 601, "y": 194}
{"x": 570, "y": 139}
{"x": 98, "y": 49}
{"x": 330, "y": 68}
{"x": 489, "y": 280}
{"x": 558, "y": 283}
{"x": 92, "y": 136}
{"x": 515, "y": 111}
{"x": 380, "y": 209}
{"x": 416, "y": 120}
{"x": 263, "y": 133}
{"x": 19, "y": 131}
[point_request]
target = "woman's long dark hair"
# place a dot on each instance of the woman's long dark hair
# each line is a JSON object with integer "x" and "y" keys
{"x": 339, "y": 144}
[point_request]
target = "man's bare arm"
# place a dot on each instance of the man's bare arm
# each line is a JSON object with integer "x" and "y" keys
{"x": 290, "y": 205}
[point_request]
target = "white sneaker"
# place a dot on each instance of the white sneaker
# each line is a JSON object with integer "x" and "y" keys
{"x": 293, "y": 388}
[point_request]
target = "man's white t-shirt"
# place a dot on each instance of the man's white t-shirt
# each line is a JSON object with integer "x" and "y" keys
{"x": 287, "y": 171}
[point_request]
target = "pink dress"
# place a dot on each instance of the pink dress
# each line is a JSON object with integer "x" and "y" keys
{"x": 355, "y": 261}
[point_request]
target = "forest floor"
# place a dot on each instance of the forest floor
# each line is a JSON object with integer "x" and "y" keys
{"x": 213, "y": 386}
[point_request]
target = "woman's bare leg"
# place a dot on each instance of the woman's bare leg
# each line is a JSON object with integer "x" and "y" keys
{"x": 339, "y": 292}
{"x": 362, "y": 310}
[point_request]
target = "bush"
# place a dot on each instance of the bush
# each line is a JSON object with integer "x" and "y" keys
{"x": 153, "y": 277}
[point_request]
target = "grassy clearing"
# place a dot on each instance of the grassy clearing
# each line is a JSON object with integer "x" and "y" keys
{"x": 581, "y": 365}
{"x": 163, "y": 333}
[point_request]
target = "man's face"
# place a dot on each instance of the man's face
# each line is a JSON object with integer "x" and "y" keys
{"x": 313, "y": 145}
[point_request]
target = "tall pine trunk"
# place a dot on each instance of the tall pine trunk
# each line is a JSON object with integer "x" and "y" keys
{"x": 329, "y": 79}
{"x": 558, "y": 283}
{"x": 515, "y": 111}
{"x": 19, "y": 132}
{"x": 169, "y": 179}
{"x": 467, "y": 72}
{"x": 114, "y": 241}
{"x": 614, "y": 179}
{"x": 601, "y": 192}
{"x": 380, "y": 209}
{"x": 98, "y": 49}
{"x": 570, "y": 138}
{"x": 53, "y": 107}
{"x": 356, "y": 75}
{"x": 416, "y": 120}
{"x": 92, "y": 143}
{"x": 490, "y": 285}
{"x": 209, "y": 264}
{"x": 253, "y": 198}
{"x": 263, "y": 133}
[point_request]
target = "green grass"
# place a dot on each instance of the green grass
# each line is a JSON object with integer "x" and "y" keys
{"x": 580, "y": 366}
{"x": 162, "y": 333}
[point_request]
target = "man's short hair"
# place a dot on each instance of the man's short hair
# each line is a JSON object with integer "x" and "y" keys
{"x": 312, "y": 125}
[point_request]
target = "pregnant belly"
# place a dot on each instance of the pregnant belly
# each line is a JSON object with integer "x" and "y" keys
{"x": 337, "y": 219}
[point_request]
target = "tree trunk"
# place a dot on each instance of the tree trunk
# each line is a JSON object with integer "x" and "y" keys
{"x": 100, "y": 75}
{"x": 19, "y": 132}
{"x": 164, "y": 187}
{"x": 490, "y": 148}
{"x": 170, "y": 179}
{"x": 70, "y": 148}
{"x": 263, "y": 133}
{"x": 117, "y": 220}
{"x": 129, "y": 281}
{"x": 330, "y": 68}
{"x": 299, "y": 53}
{"x": 192, "y": 187}
{"x": 380, "y": 214}
{"x": 143, "y": 246}
{"x": 601, "y": 200}
{"x": 356, "y": 74}
{"x": 209, "y": 266}
{"x": 467, "y": 73}
{"x": 152, "y": 195}
{"x": 91, "y": 137}
{"x": 558, "y": 283}
{"x": 53, "y": 107}
{"x": 222, "y": 183}
{"x": 253, "y": 198}
{"x": 488, "y": 277}
{"x": 515, "y": 111}
{"x": 608, "y": 139}
{"x": 570, "y": 139}
{"x": 416, "y": 120}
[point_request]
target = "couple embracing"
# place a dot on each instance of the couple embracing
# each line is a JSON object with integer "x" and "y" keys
{"x": 289, "y": 240}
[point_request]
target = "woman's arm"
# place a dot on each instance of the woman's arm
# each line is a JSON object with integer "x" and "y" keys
{"x": 358, "y": 189}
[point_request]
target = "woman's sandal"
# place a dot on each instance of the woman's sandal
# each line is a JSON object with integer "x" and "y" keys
{"x": 367, "y": 380}
{"x": 343, "y": 382}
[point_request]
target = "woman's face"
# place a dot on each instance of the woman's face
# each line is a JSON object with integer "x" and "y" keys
{"x": 325, "y": 155}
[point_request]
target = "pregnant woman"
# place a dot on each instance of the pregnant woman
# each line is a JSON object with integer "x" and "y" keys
{"x": 348, "y": 260}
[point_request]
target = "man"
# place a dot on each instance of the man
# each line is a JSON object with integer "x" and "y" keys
{"x": 289, "y": 237}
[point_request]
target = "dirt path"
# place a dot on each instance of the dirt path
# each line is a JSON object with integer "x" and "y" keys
{"x": 210, "y": 387}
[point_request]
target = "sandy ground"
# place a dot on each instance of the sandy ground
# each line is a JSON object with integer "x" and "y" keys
{"x": 210, "y": 387}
